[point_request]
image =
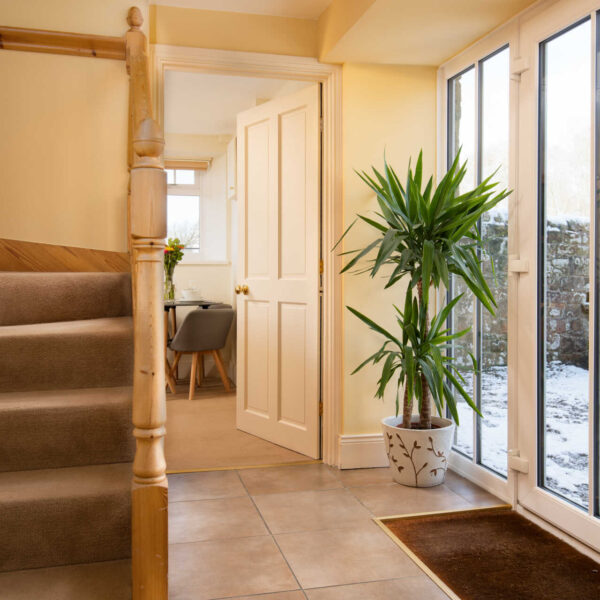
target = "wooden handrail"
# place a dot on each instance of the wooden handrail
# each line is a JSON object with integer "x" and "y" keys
{"x": 147, "y": 232}
{"x": 61, "y": 42}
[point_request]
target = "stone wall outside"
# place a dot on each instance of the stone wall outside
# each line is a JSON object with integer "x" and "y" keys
{"x": 567, "y": 268}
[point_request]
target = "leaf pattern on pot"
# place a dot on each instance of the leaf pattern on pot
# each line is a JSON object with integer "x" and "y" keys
{"x": 438, "y": 454}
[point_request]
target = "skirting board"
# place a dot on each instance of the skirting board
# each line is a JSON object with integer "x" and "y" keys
{"x": 362, "y": 451}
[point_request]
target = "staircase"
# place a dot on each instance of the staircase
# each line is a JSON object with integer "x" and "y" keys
{"x": 66, "y": 444}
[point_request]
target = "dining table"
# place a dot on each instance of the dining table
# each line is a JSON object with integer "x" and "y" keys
{"x": 170, "y": 307}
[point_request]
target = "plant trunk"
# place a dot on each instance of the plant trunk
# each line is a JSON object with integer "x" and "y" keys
{"x": 407, "y": 410}
{"x": 425, "y": 413}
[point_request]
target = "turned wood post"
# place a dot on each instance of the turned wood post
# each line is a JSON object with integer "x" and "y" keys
{"x": 150, "y": 490}
{"x": 147, "y": 232}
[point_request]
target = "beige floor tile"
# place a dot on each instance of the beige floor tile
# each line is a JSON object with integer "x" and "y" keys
{"x": 359, "y": 477}
{"x": 409, "y": 588}
{"x": 222, "y": 518}
{"x": 224, "y": 568}
{"x": 467, "y": 489}
{"x": 340, "y": 556}
{"x": 306, "y": 511}
{"x": 203, "y": 486}
{"x": 289, "y": 479}
{"x": 95, "y": 581}
{"x": 297, "y": 595}
{"x": 395, "y": 499}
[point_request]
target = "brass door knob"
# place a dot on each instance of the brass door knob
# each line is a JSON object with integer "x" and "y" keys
{"x": 242, "y": 289}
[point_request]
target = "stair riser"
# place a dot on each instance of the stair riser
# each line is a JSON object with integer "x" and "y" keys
{"x": 65, "y": 437}
{"x": 74, "y": 530}
{"x": 66, "y": 362}
{"x": 50, "y": 297}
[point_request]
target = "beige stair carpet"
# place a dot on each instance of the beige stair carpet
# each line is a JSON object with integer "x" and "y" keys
{"x": 66, "y": 444}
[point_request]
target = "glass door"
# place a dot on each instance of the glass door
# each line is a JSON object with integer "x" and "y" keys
{"x": 557, "y": 213}
{"x": 478, "y": 125}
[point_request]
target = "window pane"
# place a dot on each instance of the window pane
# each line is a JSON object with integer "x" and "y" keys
{"x": 565, "y": 136}
{"x": 461, "y": 134}
{"x": 170, "y": 176}
{"x": 184, "y": 177}
{"x": 183, "y": 219}
{"x": 494, "y": 122}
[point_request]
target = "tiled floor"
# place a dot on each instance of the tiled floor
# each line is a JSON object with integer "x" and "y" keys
{"x": 299, "y": 533}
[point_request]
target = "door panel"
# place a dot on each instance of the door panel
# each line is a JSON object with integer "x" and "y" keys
{"x": 556, "y": 236}
{"x": 278, "y": 336}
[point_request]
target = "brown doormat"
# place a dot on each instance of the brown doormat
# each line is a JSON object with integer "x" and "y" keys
{"x": 494, "y": 554}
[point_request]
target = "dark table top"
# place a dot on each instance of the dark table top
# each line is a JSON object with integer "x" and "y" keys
{"x": 173, "y": 303}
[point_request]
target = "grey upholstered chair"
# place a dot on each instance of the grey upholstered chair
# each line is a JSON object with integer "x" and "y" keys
{"x": 202, "y": 332}
{"x": 219, "y": 305}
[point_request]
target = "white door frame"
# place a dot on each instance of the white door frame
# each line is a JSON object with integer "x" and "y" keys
{"x": 506, "y": 35}
{"x": 524, "y": 32}
{"x": 251, "y": 64}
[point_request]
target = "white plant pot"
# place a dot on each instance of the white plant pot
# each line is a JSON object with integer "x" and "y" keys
{"x": 418, "y": 457}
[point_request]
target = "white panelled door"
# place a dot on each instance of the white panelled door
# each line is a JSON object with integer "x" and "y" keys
{"x": 278, "y": 307}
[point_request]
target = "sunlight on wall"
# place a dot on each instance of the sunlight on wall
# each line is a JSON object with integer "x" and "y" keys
{"x": 384, "y": 108}
{"x": 64, "y": 131}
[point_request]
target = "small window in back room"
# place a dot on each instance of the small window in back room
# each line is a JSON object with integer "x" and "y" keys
{"x": 196, "y": 215}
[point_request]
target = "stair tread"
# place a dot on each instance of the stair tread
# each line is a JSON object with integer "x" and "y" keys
{"x": 47, "y": 297}
{"x": 82, "y": 327}
{"x": 47, "y": 399}
{"x": 46, "y": 485}
{"x": 92, "y": 581}
{"x": 67, "y": 354}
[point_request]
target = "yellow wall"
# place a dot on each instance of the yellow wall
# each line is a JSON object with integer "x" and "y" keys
{"x": 391, "y": 108}
{"x": 64, "y": 130}
{"x": 233, "y": 31}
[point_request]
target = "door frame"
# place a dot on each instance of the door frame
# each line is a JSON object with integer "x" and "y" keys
{"x": 538, "y": 21}
{"x": 251, "y": 64}
{"x": 506, "y": 35}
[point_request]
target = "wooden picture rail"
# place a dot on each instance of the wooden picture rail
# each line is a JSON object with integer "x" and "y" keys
{"x": 59, "y": 42}
{"x": 147, "y": 215}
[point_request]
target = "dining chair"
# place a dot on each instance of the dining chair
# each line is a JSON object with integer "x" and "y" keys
{"x": 202, "y": 332}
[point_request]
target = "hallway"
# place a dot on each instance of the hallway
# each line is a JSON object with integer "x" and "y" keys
{"x": 299, "y": 532}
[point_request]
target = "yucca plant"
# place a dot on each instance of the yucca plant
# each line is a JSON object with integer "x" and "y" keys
{"x": 426, "y": 236}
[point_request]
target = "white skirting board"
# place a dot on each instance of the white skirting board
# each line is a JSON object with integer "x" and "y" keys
{"x": 362, "y": 451}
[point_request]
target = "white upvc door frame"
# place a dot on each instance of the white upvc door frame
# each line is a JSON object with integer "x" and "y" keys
{"x": 556, "y": 17}
{"x": 251, "y": 64}
{"x": 524, "y": 33}
{"x": 505, "y": 36}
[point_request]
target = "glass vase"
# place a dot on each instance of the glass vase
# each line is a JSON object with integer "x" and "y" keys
{"x": 169, "y": 286}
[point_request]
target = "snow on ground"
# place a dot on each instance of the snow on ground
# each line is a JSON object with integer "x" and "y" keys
{"x": 566, "y": 427}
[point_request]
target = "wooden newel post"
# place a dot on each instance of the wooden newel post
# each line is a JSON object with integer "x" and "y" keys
{"x": 149, "y": 489}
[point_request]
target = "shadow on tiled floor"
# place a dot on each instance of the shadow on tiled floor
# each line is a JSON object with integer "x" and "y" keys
{"x": 299, "y": 533}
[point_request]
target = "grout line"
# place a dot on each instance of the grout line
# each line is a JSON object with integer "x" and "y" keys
{"x": 219, "y": 539}
{"x": 340, "y": 585}
{"x": 295, "y": 463}
{"x": 273, "y": 537}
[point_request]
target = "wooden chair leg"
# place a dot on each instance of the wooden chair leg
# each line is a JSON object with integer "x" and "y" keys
{"x": 169, "y": 378}
{"x": 193, "y": 375}
{"x": 175, "y": 363}
{"x": 221, "y": 368}
{"x": 200, "y": 368}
